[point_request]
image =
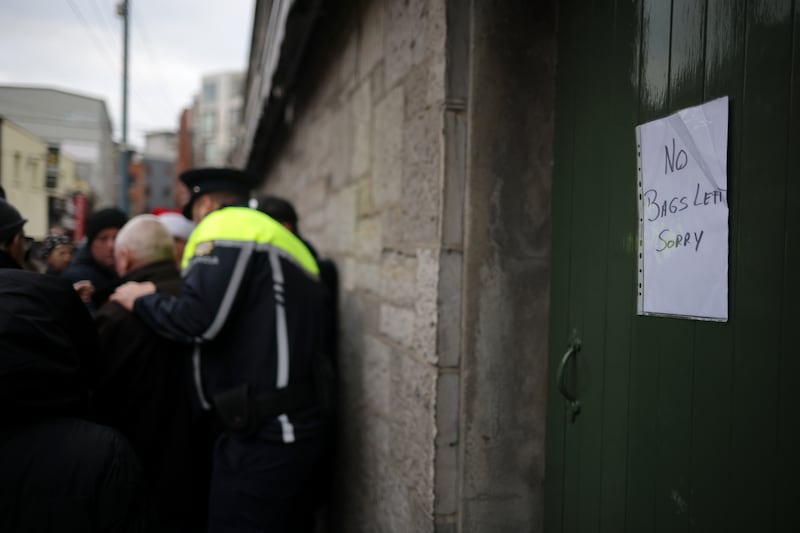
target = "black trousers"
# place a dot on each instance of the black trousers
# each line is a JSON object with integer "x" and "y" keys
{"x": 262, "y": 486}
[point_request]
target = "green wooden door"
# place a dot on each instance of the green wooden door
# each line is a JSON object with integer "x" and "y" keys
{"x": 684, "y": 425}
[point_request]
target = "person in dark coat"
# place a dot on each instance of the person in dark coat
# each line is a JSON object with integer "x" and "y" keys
{"x": 94, "y": 261}
{"x": 58, "y": 471}
{"x": 321, "y": 490}
{"x": 12, "y": 236}
{"x": 144, "y": 386}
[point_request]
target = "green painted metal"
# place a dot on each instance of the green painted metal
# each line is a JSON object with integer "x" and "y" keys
{"x": 683, "y": 425}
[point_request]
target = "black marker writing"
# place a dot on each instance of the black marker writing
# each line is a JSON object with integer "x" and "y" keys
{"x": 673, "y": 161}
{"x": 713, "y": 197}
{"x": 668, "y": 240}
{"x": 656, "y": 209}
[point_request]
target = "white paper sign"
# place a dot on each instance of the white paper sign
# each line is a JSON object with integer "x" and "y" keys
{"x": 683, "y": 213}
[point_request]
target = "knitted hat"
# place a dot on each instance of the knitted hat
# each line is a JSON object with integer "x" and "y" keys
{"x": 10, "y": 221}
{"x": 111, "y": 217}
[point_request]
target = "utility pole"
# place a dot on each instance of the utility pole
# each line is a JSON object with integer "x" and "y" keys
{"x": 123, "y": 10}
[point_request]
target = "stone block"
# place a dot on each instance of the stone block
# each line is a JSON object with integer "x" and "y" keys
{"x": 367, "y": 276}
{"x": 368, "y": 238}
{"x": 341, "y": 142}
{"x": 397, "y": 323}
{"x": 361, "y": 109}
{"x": 425, "y": 305}
{"x": 376, "y": 379}
{"x": 342, "y": 215}
{"x": 398, "y": 278}
{"x": 387, "y": 156}
{"x": 422, "y": 179}
{"x": 406, "y": 30}
{"x": 347, "y": 274}
{"x": 364, "y": 204}
{"x": 413, "y": 417}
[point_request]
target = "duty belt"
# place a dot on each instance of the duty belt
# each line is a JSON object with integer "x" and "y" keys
{"x": 243, "y": 412}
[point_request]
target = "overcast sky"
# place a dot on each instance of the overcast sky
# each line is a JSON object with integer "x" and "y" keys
{"x": 76, "y": 45}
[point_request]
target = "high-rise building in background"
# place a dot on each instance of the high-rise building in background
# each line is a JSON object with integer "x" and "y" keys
{"x": 160, "y": 152}
{"x": 216, "y": 118}
{"x": 152, "y": 173}
{"x": 184, "y": 159}
{"x": 78, "y": 125}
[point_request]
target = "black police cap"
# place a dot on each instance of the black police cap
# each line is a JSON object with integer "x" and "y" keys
{"x": 201, "y": 181}
{"x": 10, "y": 221}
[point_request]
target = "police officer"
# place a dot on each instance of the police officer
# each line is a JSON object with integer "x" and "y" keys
{"x": 252, "y": 303}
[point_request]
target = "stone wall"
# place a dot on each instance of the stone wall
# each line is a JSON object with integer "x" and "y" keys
{"x": 418, "y": 150}
{"x": 362, "y": 162}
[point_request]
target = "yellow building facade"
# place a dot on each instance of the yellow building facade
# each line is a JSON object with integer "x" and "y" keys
{"x": 33, "y": 174}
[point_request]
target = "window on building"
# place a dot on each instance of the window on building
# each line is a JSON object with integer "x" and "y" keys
{"x": 33, "y": 172}
{"x": 209, "y": 91}
{"x": 209, "y": 122}
{"x": 233, "y": 118}
{"x": 210, "y": 152}
{"x": 238, "y": 86}
{"x": 17, "y": 165}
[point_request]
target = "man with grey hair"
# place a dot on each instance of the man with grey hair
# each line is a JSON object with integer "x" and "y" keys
{"x": 144, "y": 386}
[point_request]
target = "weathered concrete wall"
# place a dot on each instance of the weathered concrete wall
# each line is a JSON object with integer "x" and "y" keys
{"x": 507, "y": 265}
{"x": 363, "y": 165}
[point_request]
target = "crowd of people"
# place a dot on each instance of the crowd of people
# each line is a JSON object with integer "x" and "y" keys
{"x": 171, "y": 373}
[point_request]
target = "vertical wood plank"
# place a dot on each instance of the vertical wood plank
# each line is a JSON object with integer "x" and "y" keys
{"x": 787, "y": 487}
{"x": 621, "y": 279}
{"x": 675, "y": 337}
{"x": 596, "y": 169}
{"x": 709, "y": 505}
{"x": 646, "y": 338}
{"x": 582, "y": 505}
{"x": 563, "y": 176}
{"x": 761, "y": 186}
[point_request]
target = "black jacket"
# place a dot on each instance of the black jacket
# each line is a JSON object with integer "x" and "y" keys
{"x": 47, "y": 347}
{"x": 143, "y": 390}
{"x": 252, "y": 300}
{"x": 83, "y": 266}
{"x": 57, "y": 472}
{"x": 7, "y": 262}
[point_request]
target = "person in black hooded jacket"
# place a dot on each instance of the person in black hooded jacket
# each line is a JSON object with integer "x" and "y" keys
{"x": 58, "y": 472}
{"x": 94, "y": 261}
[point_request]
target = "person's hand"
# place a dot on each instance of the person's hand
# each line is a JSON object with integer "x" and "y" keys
{"x": 126, "y": 294}
{"x": 84, "y": 288}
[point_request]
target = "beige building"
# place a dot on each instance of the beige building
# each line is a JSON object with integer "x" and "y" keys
{"x": 38, "y": 180}
{"x": 22, "y": 174}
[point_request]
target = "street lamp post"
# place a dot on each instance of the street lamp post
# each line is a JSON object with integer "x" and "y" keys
{"x": 123, "y": 10}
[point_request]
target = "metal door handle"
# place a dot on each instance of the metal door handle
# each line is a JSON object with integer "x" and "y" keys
{"x": 573, "y": 402}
